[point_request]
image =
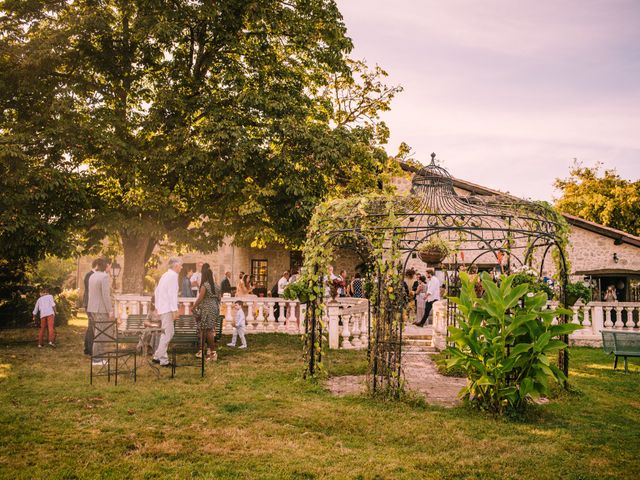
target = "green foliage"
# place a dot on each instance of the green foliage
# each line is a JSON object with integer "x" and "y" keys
{"x": 299, "y": 290}
{"x": 361, "y": 218}
{"x": 505, "y": 343}
{"x": 54, "y": 272}
{"x": 66, "y": 305}
{"x": 182, "y": 120}
{"x": 577, "y": 291}
{"x": 527, "y": 275}
{"x": 602, "y": 197}
{"x": 436, "y": 243}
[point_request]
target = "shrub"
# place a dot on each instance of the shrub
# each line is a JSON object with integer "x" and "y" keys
{"x": 526, "y": 275}
{"x": 504, "y": 342}
{"x": 54, "y": 272}
{"x": 578, "y": 291}
{"x": 66, "y": 306}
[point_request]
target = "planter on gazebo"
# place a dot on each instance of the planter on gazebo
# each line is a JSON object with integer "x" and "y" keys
{"x": 433, "y": 256}
{"x": 434, "y": 251}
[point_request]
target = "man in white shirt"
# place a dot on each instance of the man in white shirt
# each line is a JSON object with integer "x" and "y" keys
{"x": 196, "y": 278}
{"x": 166, "y": 303}
{"x": 283, "y": 282}
{"x": 433, "y": 295}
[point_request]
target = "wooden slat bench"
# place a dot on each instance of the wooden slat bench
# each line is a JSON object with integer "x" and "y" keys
{"x": 621, "y": 344}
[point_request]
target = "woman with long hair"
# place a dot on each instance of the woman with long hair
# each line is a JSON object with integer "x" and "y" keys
{"x": 208, "y": 303}
{"x": 244, "y": 287}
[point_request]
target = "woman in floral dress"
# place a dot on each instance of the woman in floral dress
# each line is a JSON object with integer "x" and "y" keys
{"x": 208, "y": 305}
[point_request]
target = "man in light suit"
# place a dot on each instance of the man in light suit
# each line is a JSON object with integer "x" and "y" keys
{"x": 166, "y": 302}
{"x": 88, "y": 336}
{"x": 100, "y": 309}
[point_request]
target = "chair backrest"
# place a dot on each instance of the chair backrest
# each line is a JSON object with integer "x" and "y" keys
{"x": 608, "y": 341}
{"x": 627, "y": 342}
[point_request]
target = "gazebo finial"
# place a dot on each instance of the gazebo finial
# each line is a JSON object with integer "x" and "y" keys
{"x": 433, "y": 158}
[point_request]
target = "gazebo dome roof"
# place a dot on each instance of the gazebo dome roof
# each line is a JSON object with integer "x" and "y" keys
{"x": 433, "y": 179}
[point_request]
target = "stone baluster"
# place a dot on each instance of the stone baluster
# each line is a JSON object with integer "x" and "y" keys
{"x": 292, "y": 321}
{"x": 260, "y": 325}
{"x": 364, "y": 330}
{"x": 135, "y": 307}
{"x": 122, "y": 307}
{"x": 282, "y": 317}
{"x": 629, "y": 324}
{"x": 346, "y": 333}
{"x": 250, "y": 317}
{"x": 355, "y": 330}
{"x": 187, "y": 308}
{"x": 271, "y": 319}
{"x": 576, "y": 315}
{"x": 619, "y": 323}
{"x": 586, "y": 320}
{"x": 228, "y": 318}
{"x": 145, "y": 307}
{"x": 607, "y": 316}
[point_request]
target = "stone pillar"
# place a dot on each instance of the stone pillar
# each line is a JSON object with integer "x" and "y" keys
{"x": 333, "y": 312}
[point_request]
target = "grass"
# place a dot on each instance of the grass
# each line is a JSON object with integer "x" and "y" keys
{"x": 253, "y": 417}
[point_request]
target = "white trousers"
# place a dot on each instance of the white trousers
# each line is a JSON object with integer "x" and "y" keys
{"x": 165, "y": 338}
{"x": 239, "y": 332}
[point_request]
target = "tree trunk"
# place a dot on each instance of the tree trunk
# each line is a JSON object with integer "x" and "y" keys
{"x": 137, "y": 251}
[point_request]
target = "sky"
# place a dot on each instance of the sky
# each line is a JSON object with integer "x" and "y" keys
{"x": 508, "y": 92}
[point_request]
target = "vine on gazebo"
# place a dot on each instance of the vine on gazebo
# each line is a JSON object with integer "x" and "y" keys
{"x": 369, "y": 225}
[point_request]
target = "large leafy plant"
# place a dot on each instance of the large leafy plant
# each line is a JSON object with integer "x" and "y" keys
{"x": 504, "y": 342}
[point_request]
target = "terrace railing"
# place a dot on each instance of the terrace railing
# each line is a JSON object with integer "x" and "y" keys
{"x": 347, "y": 319}
{"x": 593, "y": 317}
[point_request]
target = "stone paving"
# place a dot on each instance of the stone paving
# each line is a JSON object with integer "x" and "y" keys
{"x": 421, "y": 376}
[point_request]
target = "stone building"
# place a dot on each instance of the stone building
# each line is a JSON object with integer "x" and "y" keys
{"x": 601, "y": 255}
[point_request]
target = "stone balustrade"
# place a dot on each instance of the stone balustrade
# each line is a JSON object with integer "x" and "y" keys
{"x": 260, "y": 312}
{"x": 347, "y": 319}
{"x": 593, "y": 317}
{"x": 348, "y": 323}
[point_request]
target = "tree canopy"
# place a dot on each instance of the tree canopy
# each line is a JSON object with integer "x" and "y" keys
{"x": 601, "y": 196}
{"x": 188, "y": 121}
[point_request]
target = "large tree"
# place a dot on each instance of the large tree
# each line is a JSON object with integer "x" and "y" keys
{"x": 601, "y": 196}
{"x": 192, "y": 120}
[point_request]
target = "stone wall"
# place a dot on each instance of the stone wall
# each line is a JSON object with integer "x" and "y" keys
{"x": 591, "y": 251}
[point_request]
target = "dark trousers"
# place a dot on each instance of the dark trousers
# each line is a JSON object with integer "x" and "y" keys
{"x": 88, "y": 336}
{"x": 427, "y": 310}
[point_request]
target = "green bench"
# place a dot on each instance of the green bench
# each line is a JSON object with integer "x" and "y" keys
{"x": 621, "y": 344}
{"x": 186, "y": 339}
{"x": 134, "y": 326}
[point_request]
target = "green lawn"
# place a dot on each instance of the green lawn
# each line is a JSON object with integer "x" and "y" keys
{"x": 253, "y": 417}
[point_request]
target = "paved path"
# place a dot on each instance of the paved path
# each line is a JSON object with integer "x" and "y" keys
{"x": 421, "y": 376}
